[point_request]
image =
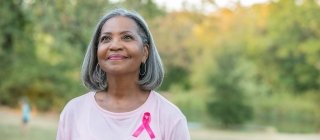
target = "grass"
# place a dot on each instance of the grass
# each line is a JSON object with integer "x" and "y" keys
{"x": 41, "y": 127}
{"x": 12, "y": 132}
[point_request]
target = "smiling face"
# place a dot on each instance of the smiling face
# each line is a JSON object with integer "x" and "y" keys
{"x": 120, "y": 49}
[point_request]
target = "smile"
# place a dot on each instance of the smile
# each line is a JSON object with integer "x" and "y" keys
{"x": 116, "y": 57}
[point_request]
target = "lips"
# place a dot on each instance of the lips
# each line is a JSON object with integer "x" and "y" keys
{"x": 116, "y": 57}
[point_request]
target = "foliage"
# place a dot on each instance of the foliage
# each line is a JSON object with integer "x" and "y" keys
{"x": 234, "y": 64}
{"x": 287, "y": 112}
{"x": 292, "y": 49}
{"x": 229, "y": 105}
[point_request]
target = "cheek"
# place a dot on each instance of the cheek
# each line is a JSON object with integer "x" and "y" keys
{"x": 101, "y": 52}
{"x": 140, "y": 54}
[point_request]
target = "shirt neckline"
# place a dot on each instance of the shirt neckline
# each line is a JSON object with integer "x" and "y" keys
{"x": 121, "y": 115}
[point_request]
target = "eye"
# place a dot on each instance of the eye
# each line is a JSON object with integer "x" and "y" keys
{"x": 105, "y": 39}
{"x": 127, "y": 38}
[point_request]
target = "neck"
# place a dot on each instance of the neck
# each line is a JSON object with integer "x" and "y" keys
{"x": 123, "y": 86}
{"x": 123, "y": 94}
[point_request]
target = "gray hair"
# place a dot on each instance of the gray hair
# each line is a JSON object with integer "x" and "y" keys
{"x": 95, "y": 78}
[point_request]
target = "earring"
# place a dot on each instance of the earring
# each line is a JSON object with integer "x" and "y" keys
{"x": 143, "y": 68}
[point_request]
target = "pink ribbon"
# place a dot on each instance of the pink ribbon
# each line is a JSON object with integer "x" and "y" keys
{"x": 145, "y": 125}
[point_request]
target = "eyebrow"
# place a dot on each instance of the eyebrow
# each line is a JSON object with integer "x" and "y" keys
{"x": 121, "y": 33}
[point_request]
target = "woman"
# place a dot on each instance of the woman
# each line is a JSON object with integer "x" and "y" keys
{"x": 122, "y": 68}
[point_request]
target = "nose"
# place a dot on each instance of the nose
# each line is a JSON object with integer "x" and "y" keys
{"x": 115, "y": 45}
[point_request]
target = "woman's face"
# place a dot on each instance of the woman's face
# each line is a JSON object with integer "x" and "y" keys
{"x": 120, "y": 49}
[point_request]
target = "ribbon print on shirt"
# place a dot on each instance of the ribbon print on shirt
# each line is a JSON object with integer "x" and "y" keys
{"x": 145, "y": 125}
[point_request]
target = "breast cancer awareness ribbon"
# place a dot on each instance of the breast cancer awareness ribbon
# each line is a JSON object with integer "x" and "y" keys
{"x": 145, "y": 125}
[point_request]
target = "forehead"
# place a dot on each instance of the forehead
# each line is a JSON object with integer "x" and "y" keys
{"x": 119, "y": 24}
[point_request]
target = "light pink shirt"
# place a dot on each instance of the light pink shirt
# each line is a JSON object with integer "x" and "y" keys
{"x": 83, "y": 119}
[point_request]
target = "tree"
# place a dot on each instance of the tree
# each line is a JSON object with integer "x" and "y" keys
{"x": 16, "y": 48}
{"x": 290, "y": 49}
{"x": 228, "y": 103}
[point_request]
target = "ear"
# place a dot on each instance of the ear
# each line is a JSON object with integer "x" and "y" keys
{"x": 145, "y": 53}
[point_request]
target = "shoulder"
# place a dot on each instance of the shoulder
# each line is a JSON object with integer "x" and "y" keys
{"x": 173, "y": 122}
{"x": 79, "y": 100}
{"x": 167, "y": 108}
{"x": 76, "y": 104}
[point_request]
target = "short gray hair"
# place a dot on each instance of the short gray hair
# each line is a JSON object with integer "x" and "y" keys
{"x": 94, "y": 77}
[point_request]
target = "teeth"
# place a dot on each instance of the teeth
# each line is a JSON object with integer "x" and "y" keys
{"x": 116, "y": 57}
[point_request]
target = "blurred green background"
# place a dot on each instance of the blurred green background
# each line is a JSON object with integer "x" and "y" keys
{"x": 237, "y": 68}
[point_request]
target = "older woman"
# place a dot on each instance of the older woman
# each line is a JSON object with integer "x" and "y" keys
{"x": 122, "y": 68}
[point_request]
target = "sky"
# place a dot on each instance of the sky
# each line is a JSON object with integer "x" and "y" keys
{"x": 174, "y": 5}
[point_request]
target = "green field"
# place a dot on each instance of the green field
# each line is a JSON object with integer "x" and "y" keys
{"x": 43, "y": 127}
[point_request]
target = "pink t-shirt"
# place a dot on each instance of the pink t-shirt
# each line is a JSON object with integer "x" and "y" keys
{"x": 83, "y": 119}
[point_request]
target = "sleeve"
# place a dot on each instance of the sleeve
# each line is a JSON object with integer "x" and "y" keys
{"x": 180, "y": 130}
{"x": 65, "y": 123}
{"x": 61, "y": 132}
